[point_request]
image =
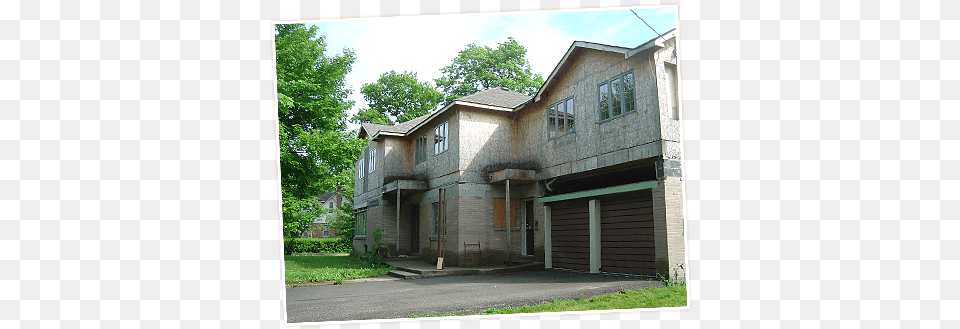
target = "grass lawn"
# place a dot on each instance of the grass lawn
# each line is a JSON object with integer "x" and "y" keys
{"x": 669, "y": 296}
{"x": 329, "y": 268}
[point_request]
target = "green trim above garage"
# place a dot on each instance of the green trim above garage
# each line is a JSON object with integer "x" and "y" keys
{"x": 601, "y": 191}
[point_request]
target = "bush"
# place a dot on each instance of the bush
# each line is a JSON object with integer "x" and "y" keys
{"x": 316, "y": 246}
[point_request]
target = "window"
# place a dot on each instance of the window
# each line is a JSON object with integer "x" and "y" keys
{"x": 330, "y": 205}
{"x": 560, "y": 118}
{"x": 436, "y": 218}
{"x": 373, "y": 159}
{"x": 673, "y": 102}
{"x": 360, "y": 168}
{"x": 440, "y": 138}
{"x": 499, "y": 216}
{"x": 326, "y": 230}
{"x": 361, "y": 225}
{"x": 617, "y": 96}
{"x": 420, "y": 151}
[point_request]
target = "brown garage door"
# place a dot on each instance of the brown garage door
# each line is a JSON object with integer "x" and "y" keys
{"x": 569, "y": 223}
{"x": 626, "y": 233}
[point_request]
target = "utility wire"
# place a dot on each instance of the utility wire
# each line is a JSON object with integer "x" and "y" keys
{"x": 645, "y": 23}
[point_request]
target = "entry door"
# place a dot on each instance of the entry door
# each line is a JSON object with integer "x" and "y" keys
{"x": 528, "y": 218}
{"x": 415, "y": 230}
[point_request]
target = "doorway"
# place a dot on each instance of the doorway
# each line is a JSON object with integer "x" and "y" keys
{"x": 530, "y": 227}
{"x": 415, "y": 230}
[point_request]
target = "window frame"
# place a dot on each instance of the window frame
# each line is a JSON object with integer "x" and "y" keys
{"x": 372, "y": 160}
{"x": 360, "y": 168}
{"x": 420, "y": 149}
{"x": 360, "y": 230}
{"x": 617, "y": 96}
{"x": 441, "y": 135}
{"x": 568, "y": 118}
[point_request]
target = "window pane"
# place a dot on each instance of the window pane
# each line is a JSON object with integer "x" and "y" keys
{"x": 615, "y": 97}
{"x": 629, "y": 95}
{"x": 570, "y": 114}
{"x": 604, "y": 101}
{"x": 551, "y": 122}
{"x": 561, "y": 119}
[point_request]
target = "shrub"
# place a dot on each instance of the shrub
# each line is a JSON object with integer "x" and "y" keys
{"x": 316, "y": 246}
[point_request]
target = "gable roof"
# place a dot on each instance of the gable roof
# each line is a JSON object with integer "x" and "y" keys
{"x": 497, "y": 98}
{"x": 576, "y": 47}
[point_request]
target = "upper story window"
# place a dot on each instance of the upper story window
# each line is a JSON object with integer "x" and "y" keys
{"x": 360, "y": 170}
{"x": 560, "y": 118}
{"x": 440, "y": 138}
{"x": 372, "y": 159}
{"x": 617, "y": 96}
{"x": 673, "y": 101}
{"x": 420, "y": 149}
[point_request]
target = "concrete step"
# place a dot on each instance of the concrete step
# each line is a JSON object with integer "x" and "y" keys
{"x": 403, "y": 274}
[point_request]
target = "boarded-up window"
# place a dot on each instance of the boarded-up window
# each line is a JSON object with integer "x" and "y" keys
{"x": 499, "y": 205}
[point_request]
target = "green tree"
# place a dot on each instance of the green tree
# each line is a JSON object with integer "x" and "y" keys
{"x": 397, "y": 98}
{"x": 479, "y": 68}
{"x": 371, "y": 116}
{"x": 316, "y": 151}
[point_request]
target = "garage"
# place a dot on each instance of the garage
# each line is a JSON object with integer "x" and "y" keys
{"x": 617, "y": 238}
{"x": 570, "y": 224}
{"x": 626, "y": 233}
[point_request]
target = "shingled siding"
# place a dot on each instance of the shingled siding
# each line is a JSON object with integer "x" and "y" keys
{"x": 485, "y": 140}
{"x": 442, "y": 164}
{"x": 627, "y": 137}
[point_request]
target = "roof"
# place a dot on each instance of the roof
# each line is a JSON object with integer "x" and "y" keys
{"x": 400, "y": 129}
{"x": 576, "y": 47}
{"x": 497, "y": 98}
{"x": 326, "y": 196}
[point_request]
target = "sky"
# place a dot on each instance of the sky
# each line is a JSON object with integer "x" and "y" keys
{"x": 426, "y": 44}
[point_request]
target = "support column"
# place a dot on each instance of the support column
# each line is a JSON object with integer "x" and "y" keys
{"x": 398, "y": 219}
{"x": 509, "y": 224}
{"x": 668, "y": 228}
{"x": 547, "y": 240}
{"x": 594, "y": 236}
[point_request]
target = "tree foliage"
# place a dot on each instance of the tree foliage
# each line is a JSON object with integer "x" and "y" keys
{"x": 397, "y": 97}
{"x": 316, "y": 151}
{"x": 479, "y": 68}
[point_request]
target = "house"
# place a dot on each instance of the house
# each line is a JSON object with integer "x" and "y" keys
{"x": 583, "y": 175}
{"x": 320, "y": 227}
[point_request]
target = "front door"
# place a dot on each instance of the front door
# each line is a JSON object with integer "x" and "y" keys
{"x": 530, "y": 227}
{"x": 415, "y": 230}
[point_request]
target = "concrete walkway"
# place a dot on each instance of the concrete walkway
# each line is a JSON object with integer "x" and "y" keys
{"x": 422, "y": 268}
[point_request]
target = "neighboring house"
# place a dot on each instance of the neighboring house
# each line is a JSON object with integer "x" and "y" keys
{"x": 588, "y": 170}
{"x": 320, "y": 227}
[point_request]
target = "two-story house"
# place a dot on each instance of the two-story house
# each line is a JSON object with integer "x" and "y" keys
{"x": 583, "y": 175}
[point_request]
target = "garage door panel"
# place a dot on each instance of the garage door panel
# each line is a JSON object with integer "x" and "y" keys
{"x": 570, "y": 227}
{"x": 626, "y": 234}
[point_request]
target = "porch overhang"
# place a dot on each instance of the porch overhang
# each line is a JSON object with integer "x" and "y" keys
{"x": 515, "y": 176}
{"x": 404, "y": 185}
{"x": 601, "y": 191}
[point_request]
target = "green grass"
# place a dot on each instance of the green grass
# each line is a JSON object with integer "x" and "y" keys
{"x": 669, "y": 296}
{"x": 673, "y": 295}
{"x": 330, "y": 268}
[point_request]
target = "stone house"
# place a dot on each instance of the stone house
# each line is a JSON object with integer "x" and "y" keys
{"x": 583, "y": 175}
{"x": 320, "y": 227}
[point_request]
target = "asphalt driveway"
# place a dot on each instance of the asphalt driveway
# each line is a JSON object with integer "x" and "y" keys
{"x": 446, "y": 295}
